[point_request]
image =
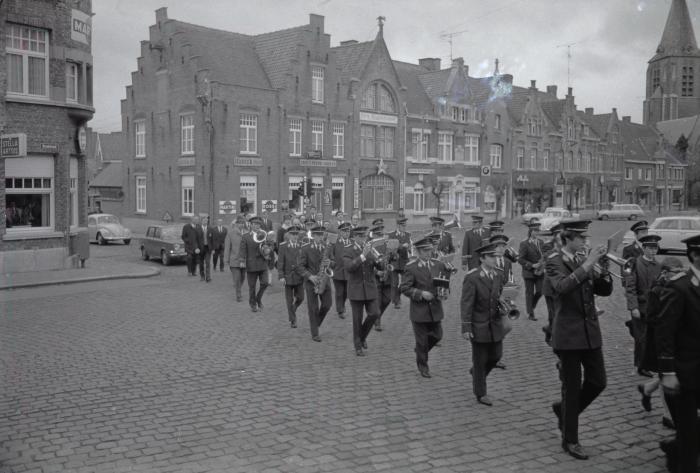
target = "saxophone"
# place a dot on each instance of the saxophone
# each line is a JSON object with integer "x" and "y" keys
{"x": 325, "y": 273}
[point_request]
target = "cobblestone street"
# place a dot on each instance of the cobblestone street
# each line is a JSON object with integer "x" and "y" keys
{"x": 169, "y": 374}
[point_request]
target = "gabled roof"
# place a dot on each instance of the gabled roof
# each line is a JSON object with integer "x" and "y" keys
{"x": 678, "y": 38}
{"x": 230, "y": 57}
{"x": 587, "y": 119}
{"x": 641, "y": 141}
{"x": 418, "y": 101}
{"x": 352, "y": 59}
{"x": 599, "y": 123}
{"x": 517, "y": 102}
{"x": 276, "y": 50}
{"x": 113, "y": 146}
{"x": 109, "y": 176}
{"x": 554, "y": 110}
{"x": 434, "y": 82}
{"x": 673, "y": 129}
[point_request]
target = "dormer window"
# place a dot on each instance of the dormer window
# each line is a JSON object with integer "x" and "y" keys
{"x": 377, "y": 97}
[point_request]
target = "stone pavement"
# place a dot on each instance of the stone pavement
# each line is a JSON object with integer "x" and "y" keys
{"x": 95, "y": 270}
{"x": 170, "y": 374}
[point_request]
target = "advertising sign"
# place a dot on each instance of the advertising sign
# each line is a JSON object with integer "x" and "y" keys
{"x": 13, "y": 146}
{"x": 270, "y": 205}
{"x": 81, "y": 27}
{"x": 227, "y": 207}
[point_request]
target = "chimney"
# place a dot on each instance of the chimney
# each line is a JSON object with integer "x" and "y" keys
{"x": 458, "y": 62}
{"x": 570, "y": 92}
{"x": 348, "y": 42}
{"x": 627, "y": 119}
{"x": 161, "y": 14}
{"x": 552, "y": 90}
{"x": 430, "y": 63}
{"x": 507, "y": 78}
{"x": 316, "y": 22}
{"x": 533, "y": 85}
{"x": 614, "y": 111}
{"x": 589, "y": 111}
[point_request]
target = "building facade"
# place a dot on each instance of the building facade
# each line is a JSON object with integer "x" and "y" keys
{"x": 46, "y": 82}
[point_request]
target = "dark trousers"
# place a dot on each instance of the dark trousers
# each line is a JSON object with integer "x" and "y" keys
{"x": 427, "y": 334}
{"x": 317, "y": 312}
{"x": 360, "y": 327}
{"x": 551, "y": 310}
{"x": 638, "y": 330}
{"x": 294, "y": 296}
{"x": 191, "y": 261}
{"x": 205, "y": 263}
{"x": 384, "y": 293}
{"x": 484, "y": 359}
{"x": 218, "y": 256}
{"x": 253, "y": 276}
{"x": 688, "y": 401}
{"x": 395, "y": 282}
{"x": 577, "y": 396}
{"x": 238, "y": 278}
{"x": 533, "y": 292}
{"x": 341, "y": 295}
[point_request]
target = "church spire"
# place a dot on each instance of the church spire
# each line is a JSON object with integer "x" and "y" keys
{"x": 678, "y": 38}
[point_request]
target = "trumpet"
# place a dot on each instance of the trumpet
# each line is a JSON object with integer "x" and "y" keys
{"x": 624, "y": 264}
{"x": 506, "y": 308}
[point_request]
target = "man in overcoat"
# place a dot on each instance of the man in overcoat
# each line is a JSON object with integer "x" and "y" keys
{"x": 232, "y": 254}
{"x": 576, "y": 335}
{"x": 293, "y": 282}
{"x": 531, "y": 259}
{"x": 219, "y": 236}
{"x": 426, "y": 311}
{"x": 442, "y": 237}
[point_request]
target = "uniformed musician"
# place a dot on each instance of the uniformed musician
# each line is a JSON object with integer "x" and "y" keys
{"x": 474, "y": 238}
{"x": 531, "y": 259}
{"x": 482, "y": 322}
{"x": 289, "y": 254}
{"x": 340, "y": 282}
{"x": 576, "y": 335}
{"x": 444, "y": 243}
{"x": 504, "y": 264}
{"x": 495, "y": 227}
{"x": 552, "y": 243}
{"x": 634, "y": 249}
{"x": 383, "y": 273}
{"x": 314, "y": 256}
{"x": 677, "y": 335}
{"x": 360, "y": 263}
{"x": 425, "y": 311}
{"x": 255, "y": 264}
{"x": 645, "y": 271}
{"x": 403, "y": 254}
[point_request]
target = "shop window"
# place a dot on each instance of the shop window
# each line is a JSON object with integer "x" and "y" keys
{"x": 28, "y": 202}
{"x": 338, "y": 194}
{"x": 418, "y": 198}
{"x": 377, "y": 193}
{"x": 489, "y": 199}
{"x": 249, "y": 194}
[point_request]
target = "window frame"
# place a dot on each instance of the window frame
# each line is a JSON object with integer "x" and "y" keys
{"x": 248, "y": 125}
{"x": 368, "y": 142}
{"x": 25, "y": 55}
{"x": 338, "y": 140}
{"x": 72, "y": 82}
{"x": 445, "y": 147}
{"x": 187, "y": 201}
{"x": 317, "y": 84}
{"x": 471, "y": 149}
{"x": 385, "y": 141}
{"x": 378, "y": 183}
{"x": 295, "y": 136}
{"x": 496, "y": 159}
{"x": 187, "y": 134}
{"x": 140, "y": 138}
{"x": 317, "y": 135}
{"x": 141, "y": 194}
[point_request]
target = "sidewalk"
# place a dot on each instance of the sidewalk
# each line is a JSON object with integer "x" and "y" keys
{"x": 98, "y": 269}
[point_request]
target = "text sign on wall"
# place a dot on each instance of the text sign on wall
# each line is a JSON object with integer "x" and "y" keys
{"x": 81, "y": 27}
{"x": 227, "y": 207}
{"x": 379, "y": 118}
{"x": 14, "y": 145}
{"x": 270, "y": 205}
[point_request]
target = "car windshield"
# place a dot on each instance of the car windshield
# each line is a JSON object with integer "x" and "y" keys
{"x": 554, "y": 213}
{"x": 107, "y": 219}
{"x": 171, "y": 233}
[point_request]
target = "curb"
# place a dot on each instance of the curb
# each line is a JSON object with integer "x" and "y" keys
{"x": 153, "y": 272}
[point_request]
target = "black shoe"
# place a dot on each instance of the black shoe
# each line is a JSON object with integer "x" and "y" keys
{"x": 364, "y": 344}
{"x": 359, "y": 352}
{"x": 260, "y": 306}
{"x": 556, "y": 407}
{"x": 485, "y": 400}
{"x": 201, "y": 278}
{"x": 646, "y": 399}
{"x": 532, "y": 317}
{"x": 500, "y": 365}
{"x": 643, "y": 372}
{"x": 378, "y": 327}
{"x": 599, "y": 312}
{"x": 222, "y": 270}
{"x": 341, "y": 315}
{"x": 575, "y": 450}
{"x": 424, "y": 371}
{"x": 316, "y": 338}
{"x": 668, "y": 423}
{"x": 293, "y": 324}
{"x": 254, "y": 308}
{"x": 208, "y": 279}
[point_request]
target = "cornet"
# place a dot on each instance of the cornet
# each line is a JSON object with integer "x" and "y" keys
{"x": 624, "y": 264}
{"x": 507, "y": 308}
{"x": 259, "y": 236}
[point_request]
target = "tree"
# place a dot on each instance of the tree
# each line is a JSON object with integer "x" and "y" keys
{"x": 437, "y": 192}
{"x": 682, "y": 147}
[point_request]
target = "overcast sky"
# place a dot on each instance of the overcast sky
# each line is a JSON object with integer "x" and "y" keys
{"x": 612, "y": 40}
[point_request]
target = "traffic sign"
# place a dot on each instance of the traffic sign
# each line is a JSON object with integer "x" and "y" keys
{"x": 306, "y": 201}
{"x": 227, "y": 207}
{"x": 486, "y": 170}
{"x": 270, "y": 205}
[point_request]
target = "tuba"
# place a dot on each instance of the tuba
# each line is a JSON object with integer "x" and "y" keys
{"x": 266, "y": 243}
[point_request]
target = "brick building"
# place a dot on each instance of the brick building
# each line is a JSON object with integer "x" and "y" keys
{"x": 46, "y": 83}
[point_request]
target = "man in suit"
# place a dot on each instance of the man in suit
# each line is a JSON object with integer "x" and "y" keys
{"x": 340, "y": 280}
{"x": 482, "y": 322}
{"x": 219, "y": 236}
{"x": 473, "y": 239}
{"x": 266, "y": 223}
{"x": 232, "y": 254}
{"x": 207, "y": 235}
{"x": 360, "y": 264}
{"x": 255, "y": 264}
{"x": 289, "y": 254}
{"x": 282, "y": 230}
{"x": 425, "y": 311}
{"x": 645, "y": 271}
{"x": 677, "y": 334}
{"x": 192, "y": 244}
{"x": 403, "y": 253}
{"x": 576, "y": 335}
{"x": 319, "y": 299}
{"x": 531, "y": 259}
{"x": 355, "y": 220}
{"x": 339, "y": 220}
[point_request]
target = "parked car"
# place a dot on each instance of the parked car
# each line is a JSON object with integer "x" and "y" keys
{"x": 164, "y": 242}
{"x": 621, "y": 211}
{"x": 105, "y": 228}
{"x": 672, "y": 230}
{"x": 549, "y": 217}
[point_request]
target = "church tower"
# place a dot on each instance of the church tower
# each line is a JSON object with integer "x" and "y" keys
{"x": 673, "y": 89}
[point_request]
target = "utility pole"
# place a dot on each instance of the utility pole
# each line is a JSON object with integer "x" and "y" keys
{"x": 207, "y": 101}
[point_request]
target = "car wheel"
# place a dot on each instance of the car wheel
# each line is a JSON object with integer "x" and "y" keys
{"x": 165, "y": 258}
{"x": 633, "y": 217}
{"x": 604, "y": 217}
{"x": 101, "y": 240}
{"x": 144, "y": 253}
{"x": 127, "y": 241}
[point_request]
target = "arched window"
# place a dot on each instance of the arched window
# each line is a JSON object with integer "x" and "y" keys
{"x": 377, "y": 97}
{"x": 377, "y": 193}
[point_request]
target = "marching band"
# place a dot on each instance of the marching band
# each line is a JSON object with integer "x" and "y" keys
{"x": 372, "y": 269}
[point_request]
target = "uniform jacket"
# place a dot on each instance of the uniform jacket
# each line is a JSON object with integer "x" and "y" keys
{"x": 310, "y": 256}
{"x": 191, "y": 238}
{"x": 404, "y": 237}
{"x": 385, "y": 280}
{"x": 445, "y": 243}
{"x": 362, "y": 283}
{"x": 678, "y": 331}
{"x": 479, "y": 306}
{"x": 575, "y": 325}
{"x": 287, "y": 263}
{"x": 473, "y": 239}
{"x": 531, "y": 253}
{"x": 250, "y": 254}
{"x": 280, "y": 237}
{"x": 266, "y": 225}
{"x": 547, "y": 289}
{"x": 337, "y": 251}
{"x": 418, "y": 277}
{"x": 218, "y": 237}
{"x": 639, "y": 282}
{"x": 232, "y": 248}
{"x": 505, "y": 268}
{"x": 632, "y": 250}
